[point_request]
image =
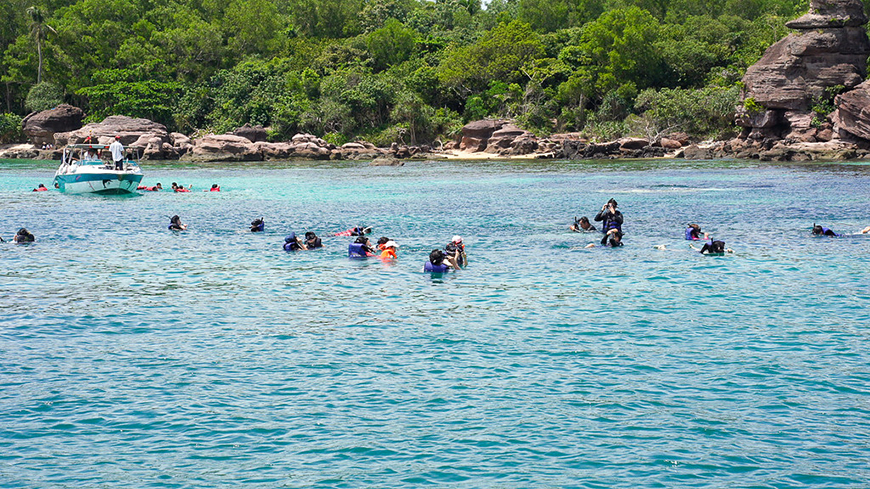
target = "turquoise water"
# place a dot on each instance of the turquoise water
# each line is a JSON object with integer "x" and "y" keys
{"x": 131, "y": 356}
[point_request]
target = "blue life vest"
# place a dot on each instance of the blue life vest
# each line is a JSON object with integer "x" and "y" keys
{"x": 828, "y": 232}
{"x": 690, "y": 234}
{"x": 261, "y": 226}
{"x": 356, "y": 250}
{"x": 429, "y": 267}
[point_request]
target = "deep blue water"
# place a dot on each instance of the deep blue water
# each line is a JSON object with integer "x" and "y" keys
{"x": 132, "y": 356}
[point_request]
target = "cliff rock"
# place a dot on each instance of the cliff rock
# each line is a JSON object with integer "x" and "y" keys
{"x": 829, "y": 49}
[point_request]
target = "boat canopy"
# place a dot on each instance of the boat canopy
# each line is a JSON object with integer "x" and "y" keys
{"x": 88, "y": 146}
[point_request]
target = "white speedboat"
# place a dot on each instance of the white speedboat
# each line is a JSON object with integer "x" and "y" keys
{"x": 87, "y": 168}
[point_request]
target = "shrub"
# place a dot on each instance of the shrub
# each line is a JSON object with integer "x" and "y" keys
{"x": 10, "y": 129}
{"x": 43, "y": 97}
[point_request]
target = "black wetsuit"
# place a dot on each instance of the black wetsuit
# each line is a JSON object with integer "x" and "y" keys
{"x": 611, "y": 220}
{"x": 714, "y": 247}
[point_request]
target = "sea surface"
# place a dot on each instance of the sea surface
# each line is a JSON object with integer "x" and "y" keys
{"x": 133, "y": 356}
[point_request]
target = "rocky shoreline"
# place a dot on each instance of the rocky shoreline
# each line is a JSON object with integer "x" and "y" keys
{"x": 806, "y": 99}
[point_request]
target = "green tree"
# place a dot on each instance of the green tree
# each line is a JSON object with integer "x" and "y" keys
{"x": 391, "y": 44}
{"x": 39, "y": 31}
{"x": 128, "y": 92}
{"x": 43, "y": 96}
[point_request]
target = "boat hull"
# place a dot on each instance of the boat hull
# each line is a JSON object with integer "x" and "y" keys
{"x": 99, "y": 183}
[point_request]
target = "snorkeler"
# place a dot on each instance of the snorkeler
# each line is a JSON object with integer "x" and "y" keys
{"x": 613, "y": 239}
{"x": 214, "y": 188}
{"x": 312, "y": 241}
{"x": 361, "y": 248}
{"x": 582, "y": 225}
{"x": 455, "y": 252}
{"x": 389, "y": 252}
{"x": 355, "y": 231}
{"x": 292, "y": 243}
{"x": 40, "y": 188}
{"x": 23, "y": 236}
{"x": 180, "y": 188}
{"x": 176, "y": 225}
{"x": 436, "y": 263}
{"x": 693, "y": 232}
{"x": 822, "y": 231}
{"x": 150, "y": 189}
{"x": 713, "y": 247}
{"x": 258, "y": 225}
{"x": 612, "y": 219}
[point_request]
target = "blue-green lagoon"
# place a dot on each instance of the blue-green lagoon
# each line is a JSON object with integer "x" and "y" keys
{"x": 132, "y": 356}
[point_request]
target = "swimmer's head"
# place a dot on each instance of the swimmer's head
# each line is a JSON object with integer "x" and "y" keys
{"x": 214, "y": 185}
{"x": 361, "y": 240}
{"x": 158, "y": 185}
{"x": 436, "y": 257}
{"x": 615, "y": 239}
{"x": 382, "y": 240}
{"x": 612, "y": 202}
{"x": 310, "y": 235}
{"x": 175, "y": 219}
{"x": 367, "y": 230}
{"x": 817, "y": 229}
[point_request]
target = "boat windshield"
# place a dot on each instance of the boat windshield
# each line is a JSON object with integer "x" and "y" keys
{"x": 95, "y": 154}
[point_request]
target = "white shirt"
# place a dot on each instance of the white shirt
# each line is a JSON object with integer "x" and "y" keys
{"x": 117, "y": 150}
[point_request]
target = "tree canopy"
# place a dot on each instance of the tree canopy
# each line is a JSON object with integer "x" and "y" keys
{"x": 407, "y": 70}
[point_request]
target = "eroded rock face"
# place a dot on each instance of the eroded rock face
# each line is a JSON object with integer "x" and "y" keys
{"x": 253, "y": 133}
{"x": 829, "y": 49}
{"x": 853, "y": 111}
{"x": 41, "y": 127}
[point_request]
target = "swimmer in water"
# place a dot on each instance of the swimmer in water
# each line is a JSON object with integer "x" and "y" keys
{"x": 389, "y": 252}
{"x": 312, "y": 241}
{"x": 612, "y": 239}
{"x": 214, "y": 188}
{"x": 713, "y": 247}
{"x": 582, "y": 225}
{"x": 355, "y": 231}
{"x": 292, "y": 243}
{"x": 176, "y": 225}
{"x": 258, "y": 225}
{"x": 822, "y": 231}
{"x": 611, "y": 219}
{"x": 436, "y": 263}
{"x": 23, "y": 236}
{"x": 455, "y": 252}
{"x": 865, "y": 230}
{"x": 693, "y": 232}
{"x": 40, "y": 188}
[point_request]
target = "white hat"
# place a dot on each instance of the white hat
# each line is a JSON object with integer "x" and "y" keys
{"x": 457, "y": 239}
{"x": 390, "y": 244}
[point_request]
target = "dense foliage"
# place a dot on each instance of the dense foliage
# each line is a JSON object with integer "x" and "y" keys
{"x": 390, "y": 70}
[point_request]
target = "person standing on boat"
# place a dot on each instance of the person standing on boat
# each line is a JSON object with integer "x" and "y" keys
{"x": 117, "y": 150}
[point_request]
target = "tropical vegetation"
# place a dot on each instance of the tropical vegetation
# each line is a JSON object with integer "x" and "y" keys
{"x": 390, "y": 70}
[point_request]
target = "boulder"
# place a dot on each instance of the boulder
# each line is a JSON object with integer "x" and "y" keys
{"x": 253, "y": 133}
{"x": 129, "y": 128}
{"x": 669, "y": 144}
{"x": 223, "y": 147}
{"x": 274, "y": 151}
{"x": 359, "y": 150}
{"x": 41, "y": 127}
{"x": 386, "y": 161}
{"x": 853, "y": 111}
{"x": 482, "y": 129}
{"x": 633, "y": 143}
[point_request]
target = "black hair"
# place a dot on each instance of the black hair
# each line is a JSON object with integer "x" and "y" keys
{"x": 175, "y": 219}
{"x": 383, "y": 240}
{"x": 612, "y": 201}
{"x": 436, "y": 257}
{"x": 310, "y": 235}
{"x": 361, "y": 240}
{"x": 616, "y": 239}
{"x": 817, "y": 229}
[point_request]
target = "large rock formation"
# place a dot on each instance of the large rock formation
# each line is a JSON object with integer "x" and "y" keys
{"x": 41, "y": 127}
{"x": 829, "y": 50}
{"x": 131, "y": 130}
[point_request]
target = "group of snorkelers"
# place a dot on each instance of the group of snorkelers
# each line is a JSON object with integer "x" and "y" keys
{"x": 611, "y": 225}
{"x": 176, "y": 188}
{"x": 612, "y": 221}
{"x": 453, "y": 257}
